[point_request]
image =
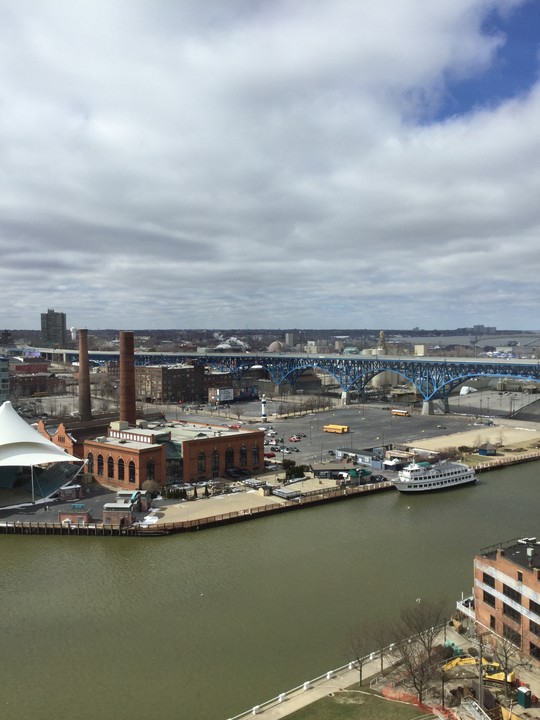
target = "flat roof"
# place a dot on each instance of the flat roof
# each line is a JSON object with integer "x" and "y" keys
{"x": 181, "y": 431}
{"x": 525, "y": 552}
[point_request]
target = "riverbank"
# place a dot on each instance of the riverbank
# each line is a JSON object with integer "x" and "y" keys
{"x": 289, "y": 704}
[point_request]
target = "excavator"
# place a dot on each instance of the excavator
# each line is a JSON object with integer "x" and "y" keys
{"x": 491, "y": 671}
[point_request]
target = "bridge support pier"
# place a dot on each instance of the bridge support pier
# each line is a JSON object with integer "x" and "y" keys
{"x": 427, "y": 407}
{"x": 345, "y": 398}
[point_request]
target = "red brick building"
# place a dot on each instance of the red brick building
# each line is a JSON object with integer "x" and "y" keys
{"x": 125, "y": 457}
{"x": 507, "y": 593}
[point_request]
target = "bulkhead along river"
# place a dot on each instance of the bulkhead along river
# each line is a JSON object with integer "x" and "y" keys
{"x": 209, "y": 624}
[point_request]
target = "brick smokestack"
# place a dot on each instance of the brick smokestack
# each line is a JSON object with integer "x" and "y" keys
{"x": 128, "y": 409}
{"x": 85, "y": 400}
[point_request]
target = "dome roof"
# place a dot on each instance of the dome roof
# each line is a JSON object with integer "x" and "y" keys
{"x": 277, "y": 346}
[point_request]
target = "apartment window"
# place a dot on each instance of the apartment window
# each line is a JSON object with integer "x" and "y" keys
{"x": 511, "y": 613}
{"x": 512, "y": 594}
{"x": 534, "y": 607}
{"x": 534, "y": 651}
{"x": 492, "y": 622}
{"x": 534, "y": 628}
{"x": 512, "y": 635}
{"x": 488, "y": 599}
{"x": 520, "y": 576}
{"x": 488, "y": 580}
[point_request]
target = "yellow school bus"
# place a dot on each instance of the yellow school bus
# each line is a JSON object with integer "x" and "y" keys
{"x": 336, "y": 428}
{"x": 401, "y": 413}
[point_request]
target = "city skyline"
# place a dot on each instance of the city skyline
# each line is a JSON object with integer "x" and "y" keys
{"x": 245, "y": 164}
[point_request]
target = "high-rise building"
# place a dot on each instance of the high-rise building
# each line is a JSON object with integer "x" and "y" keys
{"x": 53, "y": 329}
{"x": 4, "y": 379}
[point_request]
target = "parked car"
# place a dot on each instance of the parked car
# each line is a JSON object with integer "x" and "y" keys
{"x": 377, "y": 478}
{"x": 331, "y": 452}
{"x": 294, "y": 438}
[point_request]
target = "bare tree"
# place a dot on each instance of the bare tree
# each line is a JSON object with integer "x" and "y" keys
{"x": 507, "y": 655}
{"x": 382, "y": 636}
{"x": 416, "y": 641}
{"x": 360, "y": 645}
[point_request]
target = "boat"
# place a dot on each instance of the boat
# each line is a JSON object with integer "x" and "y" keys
{"x": 425, "y": 477}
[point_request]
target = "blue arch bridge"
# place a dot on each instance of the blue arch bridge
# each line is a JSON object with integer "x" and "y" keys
{"x": 433, "y": 379}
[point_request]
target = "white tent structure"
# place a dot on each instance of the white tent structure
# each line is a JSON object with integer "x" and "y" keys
{"x": 22, "y": 445}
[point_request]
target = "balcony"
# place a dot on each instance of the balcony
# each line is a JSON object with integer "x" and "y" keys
{"x": 466, "y": 606}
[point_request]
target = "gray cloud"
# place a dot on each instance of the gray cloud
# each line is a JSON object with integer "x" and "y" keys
{"x": 261, "y": 164}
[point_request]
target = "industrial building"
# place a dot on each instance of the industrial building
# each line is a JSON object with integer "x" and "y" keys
{"x": 129, "y": 452}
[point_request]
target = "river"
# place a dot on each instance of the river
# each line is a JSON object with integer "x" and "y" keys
{"x": 205, "y": 625}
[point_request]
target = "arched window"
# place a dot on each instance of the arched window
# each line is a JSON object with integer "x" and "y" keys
{"x": 90, "y": 463}
{"x": 131, "y": 471}
{"x": 215, "y": 461}
{"x": 255, "y": 455}
{"x": 110, "y": 467}
{"x": 229, "y": 458}
{"x": 201, "y": 462}
{"x": 120, "y": 469}
{"x": 150, "y": 470}
{"x": 243, "y": 456}
{"x": 100, "y": 464}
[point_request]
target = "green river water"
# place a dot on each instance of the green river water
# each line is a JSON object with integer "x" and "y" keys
{"x": 206, "y": 625}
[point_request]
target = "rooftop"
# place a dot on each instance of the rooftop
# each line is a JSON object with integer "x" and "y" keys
{"x": 525, "y": 552}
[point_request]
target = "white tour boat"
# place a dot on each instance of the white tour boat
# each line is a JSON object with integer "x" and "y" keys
{"x": 424, "y": 477}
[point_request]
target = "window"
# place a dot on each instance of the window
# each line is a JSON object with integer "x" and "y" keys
{"x": 512, "y": 635}
{"x": 100, "y": 464}
{"x": 110, "y": 467}
{"x": 492, "y": 622}
{"x": 215, "y": 461}
{"x": 120, "y": 469}
{"x": 520, "y": 576}
{"x": 201, "y": 462}
{"x": 488, "y": 580}
{"x": 131, "y": 471}
{"x": 534, "y": 651}
{"x": 255, "y": 461}
{"x": 150, "y": 470}
{"x": 511, "y": 613}
{"x": 534, "y": 607}
{"x": 488, "y": 599}
{"x": 229, "y": 458}
{"x": 243, "y": 456}
{"x": 534, "y": 628}
{"x": 90, "y": 462}
{"x": 512, "y": 594}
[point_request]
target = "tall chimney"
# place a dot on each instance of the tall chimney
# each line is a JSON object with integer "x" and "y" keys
{"x": 128, "y": 409}
{"x": 85, "y": 400}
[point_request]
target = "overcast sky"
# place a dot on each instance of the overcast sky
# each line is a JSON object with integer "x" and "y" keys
{"x": 270, "y": 163}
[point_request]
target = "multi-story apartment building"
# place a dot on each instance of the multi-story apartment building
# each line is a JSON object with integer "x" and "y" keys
{"x": 4, "y": 379}
{"x": 53, "y": 329}
{"x": 507, "y": 593}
